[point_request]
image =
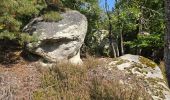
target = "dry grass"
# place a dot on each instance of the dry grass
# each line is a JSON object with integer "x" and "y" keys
{"x": 65, "y": 81}
{"x": 162, "y": 67}
{"x": 18, "y": 81}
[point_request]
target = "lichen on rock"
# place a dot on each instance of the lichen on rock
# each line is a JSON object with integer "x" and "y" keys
{"x": 147, "y": 62}
{"x": 62, "y": 40}
{"x": 146, "y": 72}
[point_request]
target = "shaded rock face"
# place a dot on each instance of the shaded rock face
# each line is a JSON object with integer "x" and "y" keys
{"x": 101, "y": 40}
{"x": 58, "y": 41}
{"x": 131, "y": 70}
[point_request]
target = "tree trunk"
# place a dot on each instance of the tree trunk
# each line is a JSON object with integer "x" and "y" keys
{"x": 117, "y": 50}
{"x": 111, "y": 36}
{"x": 167, "y": 40}
{"x": 113, "y": 49}
{"x": 120, "y": 32}
{"x": 121, "y": 41}
{"x": 111, "y": 41}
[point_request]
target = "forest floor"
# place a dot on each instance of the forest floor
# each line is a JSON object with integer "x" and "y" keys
{"x": 18, "y": 80}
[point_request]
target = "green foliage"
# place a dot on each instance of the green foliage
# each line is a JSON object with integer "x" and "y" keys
{"x": 92, "y": 10}
{"x": 17, "y": 13}
{"x": 128, "y": 17}
{"x": 16, "y": 36}
{"x": 73, "y": 4}
{"x": 135, "y": 17}
{"x": 152, "y": 41}
{"x": 14, "y": 15}
{"x": 24, "y": 37}
{"x": 52, "y": 16}
{"x": 9, "y": 35}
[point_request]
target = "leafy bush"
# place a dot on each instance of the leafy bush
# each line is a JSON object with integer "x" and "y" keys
{"x": 147, "y": 41}
{"x": 52, "y": 16}
{"x": 21, "y": 38}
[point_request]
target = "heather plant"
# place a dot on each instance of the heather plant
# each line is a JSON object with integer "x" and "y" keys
{"x": 65, "y": 81}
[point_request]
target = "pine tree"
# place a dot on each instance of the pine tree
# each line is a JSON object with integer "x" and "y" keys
{"x": 14, "y": 15}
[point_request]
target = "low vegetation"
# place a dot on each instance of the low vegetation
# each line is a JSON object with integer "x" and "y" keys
{"x": 52, "y": 16}
{"x": 163, "y": 69}
{"x": 147, "y": 62}
{"x": 134, "y": 26}
{"x": 69, "y": 82}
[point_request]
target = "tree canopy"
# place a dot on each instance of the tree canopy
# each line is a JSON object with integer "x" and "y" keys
{"x": 135, "y": 26}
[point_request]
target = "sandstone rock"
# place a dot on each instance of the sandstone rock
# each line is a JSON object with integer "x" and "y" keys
{"x": 134, "y": 69}
{"x": 101, "y": 40}
{"x": 58, "y": 41}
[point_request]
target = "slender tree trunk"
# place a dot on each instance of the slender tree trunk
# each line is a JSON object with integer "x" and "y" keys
{"x": 167, "y": 40}
{"x": 117, "y": 49}
{"x": 121, "y": 41}
{"x": 111, "y": 36}
{"x": 112, "y": 43}
{"x": 113, "y": 49}
{"x": 120, "y": 32}
{"x": 139, "y": 51}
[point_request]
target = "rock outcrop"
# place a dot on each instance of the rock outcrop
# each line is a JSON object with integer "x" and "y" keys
{"x": 134, "y": 70}
{"x": 102, "y": 40}
{"x": 58, "y": 41}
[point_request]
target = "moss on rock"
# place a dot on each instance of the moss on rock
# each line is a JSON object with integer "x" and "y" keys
{"x": 52, "y": 16}
{"x": 147, "y": 62}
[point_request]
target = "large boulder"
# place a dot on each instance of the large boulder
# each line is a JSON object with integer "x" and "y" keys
{"x": 137, "y": 72}
{"x": 58, "y": 41}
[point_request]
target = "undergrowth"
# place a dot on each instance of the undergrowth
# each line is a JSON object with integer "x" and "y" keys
{"x": 52, "y": 16}
{"x": 65, "y": 81}
{"x": 162, "y": 67}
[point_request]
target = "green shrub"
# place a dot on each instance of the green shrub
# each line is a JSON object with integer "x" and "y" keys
{"x": 15, "y": 14}
{"x": 21, "y": 38}
{"x": 52, "y": 16}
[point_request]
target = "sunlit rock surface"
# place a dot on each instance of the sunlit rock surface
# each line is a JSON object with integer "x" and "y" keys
{"x": 60, "y": 41}
{"x": 132, "y": 70}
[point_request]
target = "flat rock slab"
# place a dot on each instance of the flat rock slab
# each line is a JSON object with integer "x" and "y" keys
{"x": 130, "y": 70}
